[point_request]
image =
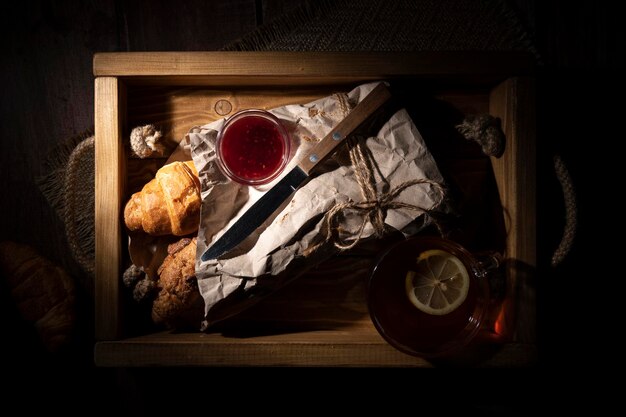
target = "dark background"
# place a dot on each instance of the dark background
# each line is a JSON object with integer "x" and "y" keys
{"x": 47, "y": 97}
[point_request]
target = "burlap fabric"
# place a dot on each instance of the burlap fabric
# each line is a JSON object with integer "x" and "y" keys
{"x": 402, "y": 25}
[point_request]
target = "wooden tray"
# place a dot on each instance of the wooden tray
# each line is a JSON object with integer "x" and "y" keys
{"x": 319, "y": 320}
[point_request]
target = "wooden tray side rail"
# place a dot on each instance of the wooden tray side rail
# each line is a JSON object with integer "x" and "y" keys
{"x": 515, "y": 172}
{"x": 304, "y": 68}
{"x": 109, "y": 184}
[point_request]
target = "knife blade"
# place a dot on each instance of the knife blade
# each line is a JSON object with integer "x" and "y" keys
{"x": 274, "y": 197}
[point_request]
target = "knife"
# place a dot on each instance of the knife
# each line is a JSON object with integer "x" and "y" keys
{"x": 274, "y": 197}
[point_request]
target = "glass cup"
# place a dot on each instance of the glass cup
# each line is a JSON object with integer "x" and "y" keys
{"x": 419, "y": 323}
{"x": 253, "y": 147}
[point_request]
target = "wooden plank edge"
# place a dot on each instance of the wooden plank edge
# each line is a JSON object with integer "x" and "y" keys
{"x": 109, "y": 182}
{"x": 251, "y": 354}
{"x": 515, "y": 172}
{"x": 293, "y": 354}
{"x": 310, "y": 64}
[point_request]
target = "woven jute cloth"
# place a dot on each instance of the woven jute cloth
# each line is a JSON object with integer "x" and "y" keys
{"x": 321, "y": 25}
{"x": 402, "y": 25}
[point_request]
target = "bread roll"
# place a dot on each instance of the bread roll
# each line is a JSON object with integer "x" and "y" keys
{"x": 43, "y": 292}
{"x": 179, "y": 300}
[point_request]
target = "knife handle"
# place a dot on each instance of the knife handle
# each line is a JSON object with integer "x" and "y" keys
{"x": 326, "y": 147}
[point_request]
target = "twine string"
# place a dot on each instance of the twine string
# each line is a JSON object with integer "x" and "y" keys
{"x": 374, "y": 206}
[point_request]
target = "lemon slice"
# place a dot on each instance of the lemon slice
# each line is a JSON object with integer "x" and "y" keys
{"x": 439, "y": 282}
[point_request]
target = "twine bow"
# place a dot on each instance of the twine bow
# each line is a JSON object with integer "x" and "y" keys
{"x": 373, "y": 207}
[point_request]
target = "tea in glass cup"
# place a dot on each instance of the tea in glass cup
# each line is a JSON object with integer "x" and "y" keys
{"x": 428, "y": 296}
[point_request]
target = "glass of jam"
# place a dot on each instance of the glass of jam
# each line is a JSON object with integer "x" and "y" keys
{"x": 429, "y": 296}
{"x": 253, "y": 147}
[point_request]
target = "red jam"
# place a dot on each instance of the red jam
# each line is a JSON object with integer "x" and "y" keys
{"x": 253, "y": 147}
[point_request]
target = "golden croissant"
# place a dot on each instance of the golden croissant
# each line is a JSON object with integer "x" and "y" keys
{"x": 169, "y": 204}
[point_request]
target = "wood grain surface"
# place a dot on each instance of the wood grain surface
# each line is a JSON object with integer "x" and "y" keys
{"x": 110, "y": 161}
{"x": 515, "y": 173}
{"x": 296, "y": 67}
{"x": 354, "y": 347}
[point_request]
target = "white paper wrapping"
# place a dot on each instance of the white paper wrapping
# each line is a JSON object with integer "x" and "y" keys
{"x": 398, "y": 154}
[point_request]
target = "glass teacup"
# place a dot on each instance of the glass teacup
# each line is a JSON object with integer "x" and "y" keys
{"x": 429, "y": 296}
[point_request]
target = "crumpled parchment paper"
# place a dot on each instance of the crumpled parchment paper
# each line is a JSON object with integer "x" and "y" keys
{"x": 282, "y": 247}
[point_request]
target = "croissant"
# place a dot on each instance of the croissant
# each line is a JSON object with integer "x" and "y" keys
{"x": 167, "y": 205}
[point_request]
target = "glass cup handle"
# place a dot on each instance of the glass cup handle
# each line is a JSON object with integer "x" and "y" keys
{"x": 488, "y": 261}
